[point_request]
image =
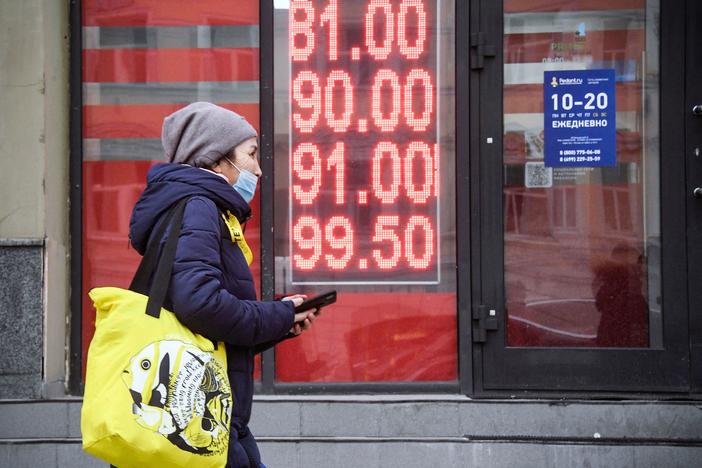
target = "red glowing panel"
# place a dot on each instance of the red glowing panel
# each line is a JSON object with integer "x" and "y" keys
{"x": 313, "y": 173}
{"x": 389, "y": 123}
{"x": 364, "y": 148}
{"x": 336, "y": 162}
{"x": 339, "y": 125}
{"x": 330, "y": 17}
{"x": 312, "y": 241}
{"x": 313, "y": 101}
{"x": 419, "y": 124}
{"x": 362, "y": 197}
{"x": 412, "y": 52}
{"x": 372, "y": 336}
{"x": 416, "y": 261}
{"x": 301, "y": 33}
{"x": 419, "y": 195}
{"x": 384, "y": 232}
{"x": 436, "y": 170}
{"x": 380, "y": 52}
{"x": 339, "y": 236}
{"x": 387, "y": 195}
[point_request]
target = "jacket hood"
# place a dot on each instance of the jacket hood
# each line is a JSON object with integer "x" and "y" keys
{"x": 166, "y": 184}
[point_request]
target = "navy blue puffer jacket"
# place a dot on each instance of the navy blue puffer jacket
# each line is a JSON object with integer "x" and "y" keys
{"x": 211, "y": 290}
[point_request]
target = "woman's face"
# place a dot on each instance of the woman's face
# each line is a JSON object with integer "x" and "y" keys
{"x": 245, "y": 157}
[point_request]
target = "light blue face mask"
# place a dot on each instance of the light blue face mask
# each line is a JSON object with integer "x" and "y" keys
{"x": 246, "y": 183}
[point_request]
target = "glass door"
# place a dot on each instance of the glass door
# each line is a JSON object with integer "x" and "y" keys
{"x": 579, "y": 291}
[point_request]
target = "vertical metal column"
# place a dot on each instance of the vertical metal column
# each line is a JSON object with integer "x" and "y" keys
{"x": 75, "y": 365}
{"x": 267, "y": 193}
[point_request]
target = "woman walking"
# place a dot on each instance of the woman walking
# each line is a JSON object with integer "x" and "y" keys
{"x": 213, "y": 161}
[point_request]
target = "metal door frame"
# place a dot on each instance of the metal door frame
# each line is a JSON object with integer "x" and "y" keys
{"x": 548, "y": 372}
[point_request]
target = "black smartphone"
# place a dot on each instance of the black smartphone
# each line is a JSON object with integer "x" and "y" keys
{"x": 317, "y": 302}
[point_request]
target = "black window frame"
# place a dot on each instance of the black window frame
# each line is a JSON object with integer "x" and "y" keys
{"x": 267, "y": 383}
{"x": 75, "y": 177}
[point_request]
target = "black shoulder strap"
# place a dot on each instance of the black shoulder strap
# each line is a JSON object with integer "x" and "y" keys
{"x": 140, "y": 282}
{"x": 163, "y": 266}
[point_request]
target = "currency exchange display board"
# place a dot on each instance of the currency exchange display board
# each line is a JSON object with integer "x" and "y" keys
{"x": 364, "y": 191}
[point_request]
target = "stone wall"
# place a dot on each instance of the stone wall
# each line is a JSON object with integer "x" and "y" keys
{"x": 409, "y": 431}
{"x": 21, "y": 319}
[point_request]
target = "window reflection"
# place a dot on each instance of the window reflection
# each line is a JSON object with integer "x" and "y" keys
{"x": 581, "y": 255}
{"x": 142, "y": 61}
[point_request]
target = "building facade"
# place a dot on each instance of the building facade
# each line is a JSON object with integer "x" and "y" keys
{"x": 507, "y": 197}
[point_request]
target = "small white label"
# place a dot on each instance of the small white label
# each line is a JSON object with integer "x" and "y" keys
{"x": 489, "y": 140}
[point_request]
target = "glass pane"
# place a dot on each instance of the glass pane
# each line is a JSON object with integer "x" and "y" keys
{"x": 581, "y": 173}
{"x": 142, "y": 60}
{"x": 365, "y": 199}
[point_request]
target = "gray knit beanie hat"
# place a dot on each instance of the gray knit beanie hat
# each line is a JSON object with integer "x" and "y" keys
{"x": 201, "y": 133}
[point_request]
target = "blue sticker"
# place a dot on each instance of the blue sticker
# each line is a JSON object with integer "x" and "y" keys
{"x": 580, "y": 127}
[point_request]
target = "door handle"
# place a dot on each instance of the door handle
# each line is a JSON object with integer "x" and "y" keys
{"x": 697, "y": 192}
{"x": 697, "y": 110}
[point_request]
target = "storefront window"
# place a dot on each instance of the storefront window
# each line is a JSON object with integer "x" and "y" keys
{"x": 142, "y": 60}
{"x": 582, "y": 234}
{"x": 364, "y": 186}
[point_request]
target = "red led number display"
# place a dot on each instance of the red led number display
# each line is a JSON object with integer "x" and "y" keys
{"x": 364, "y": 152}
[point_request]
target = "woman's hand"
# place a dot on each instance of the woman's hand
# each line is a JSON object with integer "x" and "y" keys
{"x": 303, "y": 321}
{"x": 296, "y": 299}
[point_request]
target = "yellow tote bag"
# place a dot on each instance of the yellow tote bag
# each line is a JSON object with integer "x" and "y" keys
{"x": 156, "y": 394}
